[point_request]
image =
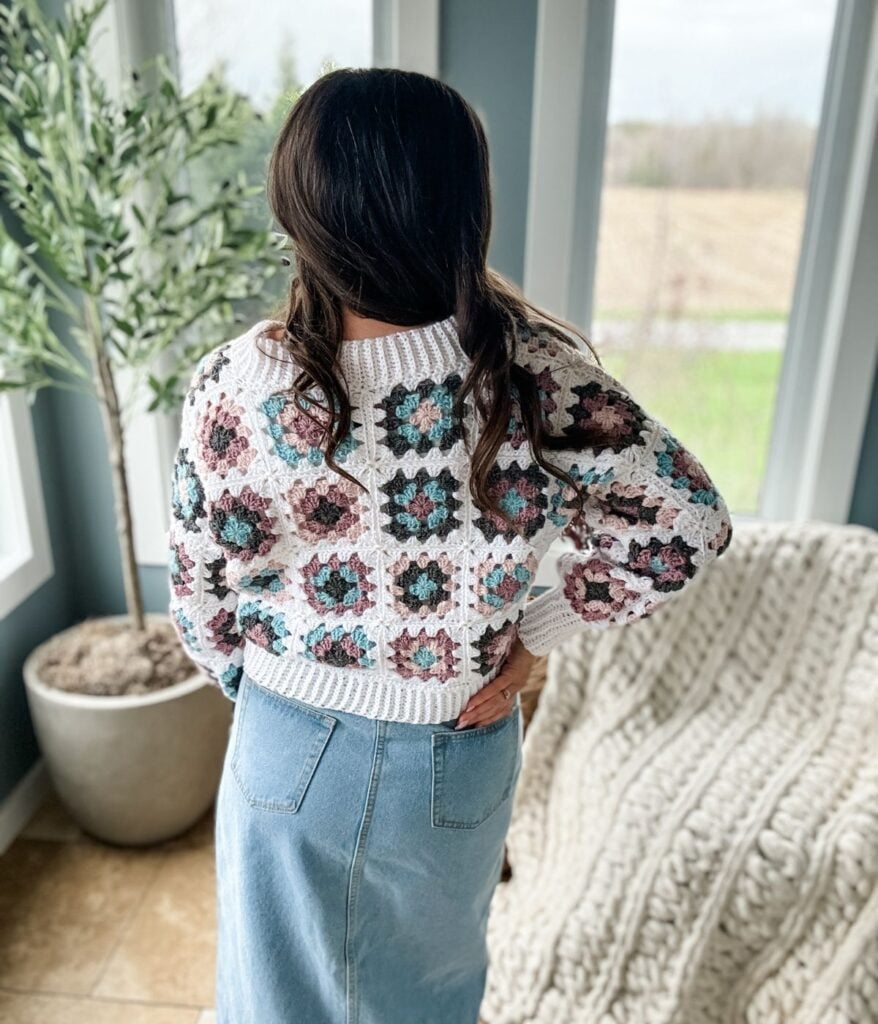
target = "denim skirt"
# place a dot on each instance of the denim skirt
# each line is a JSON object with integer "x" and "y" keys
{"x": 356, "y": 860}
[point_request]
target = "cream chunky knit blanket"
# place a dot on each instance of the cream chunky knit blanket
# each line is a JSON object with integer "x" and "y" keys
{"x": 695, "y": 832}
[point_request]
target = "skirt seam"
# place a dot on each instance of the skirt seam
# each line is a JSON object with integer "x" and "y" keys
{"x": 352, "y": 1009}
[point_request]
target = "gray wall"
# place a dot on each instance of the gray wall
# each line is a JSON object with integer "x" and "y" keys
{"x": 487, "y": 54}
{"x": 84, "y": 477}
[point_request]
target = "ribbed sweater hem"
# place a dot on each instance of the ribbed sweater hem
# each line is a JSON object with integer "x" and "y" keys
{"x": 385, "y": 696}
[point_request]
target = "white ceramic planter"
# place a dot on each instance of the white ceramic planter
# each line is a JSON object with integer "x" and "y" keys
{"x": 132, "y": 770}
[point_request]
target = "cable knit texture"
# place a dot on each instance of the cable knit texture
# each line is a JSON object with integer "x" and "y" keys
{"x": 402, "y": 600}
{"x": 694, "y": 838}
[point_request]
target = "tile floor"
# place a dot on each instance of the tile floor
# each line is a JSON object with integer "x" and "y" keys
{"x": 105, "y": 935}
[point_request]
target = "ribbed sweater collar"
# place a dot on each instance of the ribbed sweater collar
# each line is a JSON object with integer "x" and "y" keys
{"x": 368, "y": 364}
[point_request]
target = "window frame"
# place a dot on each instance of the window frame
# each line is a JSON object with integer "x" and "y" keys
{"x": 832, "y": 346}
{"x": 405, "y": 34}
{"x": 829, "y": 359}
{"x": 571, "y": 91}
{"x": 30, "y": 564}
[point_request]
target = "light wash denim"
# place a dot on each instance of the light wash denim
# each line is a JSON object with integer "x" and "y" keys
{"x": 356, "y": 860}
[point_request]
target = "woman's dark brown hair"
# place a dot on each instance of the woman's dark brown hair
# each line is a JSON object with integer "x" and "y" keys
{"x": 380, "y": 179}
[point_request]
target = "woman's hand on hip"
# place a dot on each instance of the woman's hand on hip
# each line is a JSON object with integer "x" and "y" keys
{"x": 489, "y": 704}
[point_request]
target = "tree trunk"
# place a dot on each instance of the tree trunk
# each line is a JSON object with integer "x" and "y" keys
{"x": 109, "y": 403}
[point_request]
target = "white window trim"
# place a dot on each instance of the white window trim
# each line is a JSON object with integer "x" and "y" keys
{"x": 30, "y": 564}
{"x": 832, "y": 347}
{"x": 573, "y": 57}
{"x": 833, "y": 341}
{"x": 150, "y": 443}
{"x": 128, "y": 33}
{"x": 405, "y": 35}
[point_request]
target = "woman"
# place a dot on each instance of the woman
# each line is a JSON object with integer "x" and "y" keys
{"x": 363, "y": 490}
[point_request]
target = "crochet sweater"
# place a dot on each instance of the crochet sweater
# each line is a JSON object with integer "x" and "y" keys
{"x": 401, "y": 600}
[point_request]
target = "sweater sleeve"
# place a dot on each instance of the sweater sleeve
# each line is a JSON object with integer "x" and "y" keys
{"x": 203, "y": 607}
{"x": 652, "y": 517}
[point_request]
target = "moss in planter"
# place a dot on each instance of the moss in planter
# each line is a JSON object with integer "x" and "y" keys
{"x": 105, "y": 657}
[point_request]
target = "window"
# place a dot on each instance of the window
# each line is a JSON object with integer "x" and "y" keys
{"x": 270, "y": 56}
{"x": 276, "y": 46}
{"x": 25, "y": 554}
{"x": 711, "y": 128}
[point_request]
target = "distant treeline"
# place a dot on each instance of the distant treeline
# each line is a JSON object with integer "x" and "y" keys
{"x": 770, "y": 152}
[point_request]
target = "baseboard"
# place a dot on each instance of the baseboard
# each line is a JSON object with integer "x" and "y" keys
{"x": 22, "y": 803}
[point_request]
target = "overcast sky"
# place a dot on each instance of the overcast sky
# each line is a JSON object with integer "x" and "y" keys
{"x": 682, "y": 59}
{"x": 252, "y": 35}
{"x": 690, "y": 58}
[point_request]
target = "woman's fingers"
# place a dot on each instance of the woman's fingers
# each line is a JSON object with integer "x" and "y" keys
{"x": 514, "y": 674}
{"x": 489, "y": 704}
{"x": 487, "y": 712}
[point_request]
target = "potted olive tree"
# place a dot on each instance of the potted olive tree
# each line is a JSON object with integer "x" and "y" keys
{"x": 111, "y": 268}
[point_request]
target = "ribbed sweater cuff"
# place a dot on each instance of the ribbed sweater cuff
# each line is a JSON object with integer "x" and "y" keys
{"x": 547, "y": 619}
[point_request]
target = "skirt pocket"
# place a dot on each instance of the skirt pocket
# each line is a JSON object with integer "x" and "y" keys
{"x": 277, "y": 746}
{"x": 474, "y": 771}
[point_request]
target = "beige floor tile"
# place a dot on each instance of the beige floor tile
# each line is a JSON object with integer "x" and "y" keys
{"x": 21, "y": 1008}
{"x": 207, "y": 1017}
{"x": 168, "y": 952}
{"x": 63, "y": 907}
